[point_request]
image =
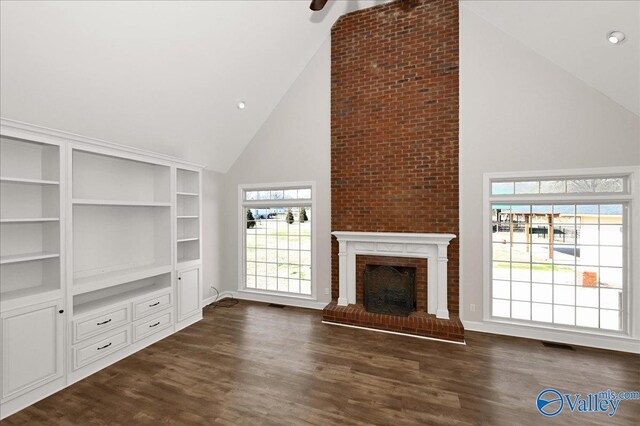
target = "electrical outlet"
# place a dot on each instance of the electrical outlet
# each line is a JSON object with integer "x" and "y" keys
{"x": 326, "y": 290}
{"x": 472, "y": 307}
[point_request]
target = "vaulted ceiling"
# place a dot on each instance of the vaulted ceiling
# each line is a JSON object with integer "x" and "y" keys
{"x": 573, "y": 35}
{"x": 167, "y": 76}
{"x": 163, "y": 76}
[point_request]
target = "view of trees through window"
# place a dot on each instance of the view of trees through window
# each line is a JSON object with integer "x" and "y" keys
{"x": 278, "y": 249}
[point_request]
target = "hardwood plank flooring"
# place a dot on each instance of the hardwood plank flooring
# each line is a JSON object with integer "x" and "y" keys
{"x": 253, "y": 364}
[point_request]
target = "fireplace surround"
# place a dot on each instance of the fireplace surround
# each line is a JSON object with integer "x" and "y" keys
{"x": 434, "y": 321}
{"x": 432, "y": 247}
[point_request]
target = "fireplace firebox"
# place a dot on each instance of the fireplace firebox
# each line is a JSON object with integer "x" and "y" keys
{"x": 390, "y": 290}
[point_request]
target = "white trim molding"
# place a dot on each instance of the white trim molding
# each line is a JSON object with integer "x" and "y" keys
{"x": 21, "y": 130}
{"x": 628, "y": 339}
{"x": 432, "y": 247}
{"x": 299, "y": 302}
{"x": 274, "y": 296}
{"x": 570, "y": 337}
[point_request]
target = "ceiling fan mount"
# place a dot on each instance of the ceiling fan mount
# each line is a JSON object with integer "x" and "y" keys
{"x": 317, "y": 5}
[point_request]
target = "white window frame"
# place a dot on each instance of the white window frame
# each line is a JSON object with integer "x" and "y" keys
{"x": 630, "y": 198}
{"x": 262, "y": 204}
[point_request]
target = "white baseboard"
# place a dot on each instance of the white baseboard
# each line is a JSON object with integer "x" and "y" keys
{"x": 210, "y": 300}
{"x": 615, "y": 343}
{"x": 281, "y": 300}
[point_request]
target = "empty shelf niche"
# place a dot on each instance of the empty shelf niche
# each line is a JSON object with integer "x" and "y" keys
{"x": 24, "y": 241}
{"x": 90, "y": 301}
{"x": 24, "y": 201}
{"x": 29, "y": 277}
{"x": 188, "y": 250}
{"x": 188, "y": 206}
{"x": 187, "y": 182}
{"x": 188, "y": 229}
{"x": 105, "y": 179}
{"x": 115, "y": 244}
{"x": 29, "y": 161}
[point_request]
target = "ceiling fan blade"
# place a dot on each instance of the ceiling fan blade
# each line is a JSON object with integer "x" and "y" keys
{"x": 317, "y": 5}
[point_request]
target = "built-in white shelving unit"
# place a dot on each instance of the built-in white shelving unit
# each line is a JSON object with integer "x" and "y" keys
{"x": 188, "y": 215}
{"x": 99, "y": 256}
{"x": 121, "y": 220}
{"x": 30, "y": 231}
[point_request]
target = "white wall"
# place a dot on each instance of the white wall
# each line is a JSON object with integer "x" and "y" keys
{"x": 212, "y": 189}
{"x": 519, "y": 111}
{"x": 293, "y": 145}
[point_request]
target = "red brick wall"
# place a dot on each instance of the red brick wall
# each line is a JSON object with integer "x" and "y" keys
{"x": 394, "y": 123}
{"x": 420, "y": 277}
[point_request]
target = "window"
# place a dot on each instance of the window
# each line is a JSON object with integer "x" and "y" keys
{"x": 277, "y": 230}
{"x": 558, "y": 251}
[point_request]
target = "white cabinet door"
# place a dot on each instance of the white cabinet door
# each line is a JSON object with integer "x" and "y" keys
{"x": 188, "y": 293}
{"x": 32, "y": 339}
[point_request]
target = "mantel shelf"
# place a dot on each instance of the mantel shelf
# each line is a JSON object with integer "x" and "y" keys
{"x": 28, "y": 181}
{"x": 26, "y": 257}
{"x": 29, "y": 219}
{"x": 87, "y": 202}
{"x": 109, "y": 279}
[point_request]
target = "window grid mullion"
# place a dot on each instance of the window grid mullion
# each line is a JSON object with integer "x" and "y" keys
{"x": 557, "y": 271}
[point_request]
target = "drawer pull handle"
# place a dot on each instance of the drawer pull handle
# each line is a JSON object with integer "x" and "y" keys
{"x": 154, "y": 325}
{"x": 155, "y": 304}
{"x": 104, "y": 322}
{"x": 105, "y": 346}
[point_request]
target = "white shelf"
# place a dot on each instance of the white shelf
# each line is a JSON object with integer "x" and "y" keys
{"x": 11, "y": 299}
{"x": 28, "y": 181}
{"x": 187, "y": 217}
{"x": 30, "y": 219}
{"x": 186, "y": 240}
{"x": 87, "y": 202}
{"x": 83, "y": 308}
{"x": 109, "y": 279}
{"x": 26, "y": 257}
{"x": 188, "y": 194}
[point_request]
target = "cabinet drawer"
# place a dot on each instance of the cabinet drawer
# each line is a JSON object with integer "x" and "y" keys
{"x": 96, "y": 324}
{"x": 149, "y": 326}
{"x": 151, "y": 305}
{"x": 86, "y": 353}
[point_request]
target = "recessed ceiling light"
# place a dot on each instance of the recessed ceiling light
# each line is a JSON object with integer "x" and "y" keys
{"x": 615, "y": 37}
{"x": 242, "y": 105}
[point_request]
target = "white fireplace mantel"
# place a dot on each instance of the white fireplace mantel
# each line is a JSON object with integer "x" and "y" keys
{"x": 432, "y": 247}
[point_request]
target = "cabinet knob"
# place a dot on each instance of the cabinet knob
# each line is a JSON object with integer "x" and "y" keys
{"x": 61, "y": 311}
{"x": 179, "y": 278}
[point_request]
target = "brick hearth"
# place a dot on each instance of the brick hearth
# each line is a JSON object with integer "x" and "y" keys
{"x": 418, "y": 323}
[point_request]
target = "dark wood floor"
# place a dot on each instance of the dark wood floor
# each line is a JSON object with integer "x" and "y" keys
{"x": 254, "y": 364}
